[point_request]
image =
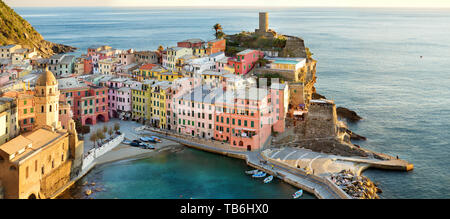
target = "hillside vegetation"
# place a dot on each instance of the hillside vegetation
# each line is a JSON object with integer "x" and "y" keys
{"x": 16, "y": 30}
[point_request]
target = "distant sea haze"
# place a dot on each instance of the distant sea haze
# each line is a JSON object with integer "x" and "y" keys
{"x": 389, "y": 65}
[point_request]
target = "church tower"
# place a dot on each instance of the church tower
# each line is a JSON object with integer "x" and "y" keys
{"x": 47, "y": 101}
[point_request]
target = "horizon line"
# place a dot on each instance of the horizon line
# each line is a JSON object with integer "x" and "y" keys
{"x": 243, "y": 7}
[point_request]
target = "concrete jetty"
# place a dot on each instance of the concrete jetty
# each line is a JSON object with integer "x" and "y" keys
{"x": 301, "y": 168}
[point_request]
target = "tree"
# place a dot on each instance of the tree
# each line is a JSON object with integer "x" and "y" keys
{"x": 93, "y": 138}
{"x": 116, "y": 126}
{"x": 160, "y": 48}
{"x": 219, "y": 33}
{"x": 100, "y": 135}
{"x": 85, "y": 129}
{"x": 110, "y": 131}
{"x": 78, "y": 126}
{"x": 105, "y": 129}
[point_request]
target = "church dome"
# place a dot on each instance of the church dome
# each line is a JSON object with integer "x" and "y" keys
{"x": 46, "y": 78}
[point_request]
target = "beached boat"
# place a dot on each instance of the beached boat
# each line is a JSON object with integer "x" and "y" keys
{"x": 251, "y": 172}
{"x": 297, "y": 194}
{"x": 268, "y": 179}
{"x": 259, "y": 175}
{"x": 156, "y": 139}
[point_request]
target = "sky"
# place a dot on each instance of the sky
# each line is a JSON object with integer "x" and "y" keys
{"x": 231, "y": 3}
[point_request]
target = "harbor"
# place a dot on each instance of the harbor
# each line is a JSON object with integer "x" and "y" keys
{"x": 311, "y": 181}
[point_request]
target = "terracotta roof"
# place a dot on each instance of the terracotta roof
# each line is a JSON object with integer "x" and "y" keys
{"x": 147, "y": 67}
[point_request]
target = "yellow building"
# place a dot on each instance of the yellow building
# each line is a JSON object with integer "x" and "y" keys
{"x": 106, "y": 66}
{"x": 158, "y": 104}
{"x": 169, "y": 76}
{"x": 148, "y": 71}
{"x": 39, "y": 163}
{"x": 173, "y": 54}
{"x": 141, "y": 101}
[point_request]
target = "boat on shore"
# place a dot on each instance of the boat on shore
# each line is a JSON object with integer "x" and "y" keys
{"x": 268, "y": 179}
{"x": 297, "y": 194}
{"x": 259, "y": 175}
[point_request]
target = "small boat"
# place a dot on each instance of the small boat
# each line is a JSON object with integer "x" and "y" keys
{"x": 156, "y": 139}
{"x": 297, "y": 194}
{"x": 126, "y": 142}
{"x": 251, "y": 172}
{"x": 268, "y": 179}
{"x": 259, "y": 175}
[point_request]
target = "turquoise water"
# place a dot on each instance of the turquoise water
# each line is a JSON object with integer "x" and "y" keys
{"x": 369, "y": 60}
{"x": 185, "y": 174}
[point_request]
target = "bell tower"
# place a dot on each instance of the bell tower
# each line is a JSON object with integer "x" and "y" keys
{"x": 47, "y": 101}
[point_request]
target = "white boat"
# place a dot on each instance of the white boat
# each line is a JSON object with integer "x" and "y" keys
{"x": 297, "y": 194}
{"x": 268, "y": 179}
{"x": 251, "y": 172}
{"x": 259, "y": 175}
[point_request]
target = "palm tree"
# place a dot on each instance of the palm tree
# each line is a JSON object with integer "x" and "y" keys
{"x": 218, "y": 28}
{"x": 160, "y": 48}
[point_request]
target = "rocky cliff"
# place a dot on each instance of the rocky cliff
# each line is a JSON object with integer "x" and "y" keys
{"x": 16, "y": 30}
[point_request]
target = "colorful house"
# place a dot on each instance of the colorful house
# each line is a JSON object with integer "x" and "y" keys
{"x": 215, "y": 46}
{"x": 89, "y": 103}
{"x": 242, "y": 118}
{"x": 245, "y": 60}
{"x": 141, "y": 101}
{"x": 173, "y": 53}
{"x": 25, "y": 108}
{"x": 159, "y": 94}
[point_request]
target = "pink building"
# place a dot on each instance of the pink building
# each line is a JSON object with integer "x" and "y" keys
{"x": 242, "y": 118}
{"x": 178, "y": 88}
{"x": 245, "y": 60}
{"x": 119, "y": 96}
{"x": 195, "y": 112}
{"x": 89, "y": 103}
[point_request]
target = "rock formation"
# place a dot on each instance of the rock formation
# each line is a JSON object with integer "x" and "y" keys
{"x": 356, "y": 186}
{"x": 16, "y": 30}
{"x": 350, "y": 115}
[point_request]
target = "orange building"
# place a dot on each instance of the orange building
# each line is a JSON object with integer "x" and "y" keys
{"x": 215, "y": 46}
{"x": 25, "y": 108}
{"x": 37, "y": 164}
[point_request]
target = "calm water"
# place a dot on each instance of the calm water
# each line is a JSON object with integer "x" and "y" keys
{"x": 186, "y": 174}
{"x": 369, "y": 61}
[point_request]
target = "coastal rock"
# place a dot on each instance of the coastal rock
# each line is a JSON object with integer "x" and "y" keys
{"x": 350, "y": 115}
{"x": 354, "y": 136}
{"x": 316, "y": 96}
{"x": 356, "y": 186}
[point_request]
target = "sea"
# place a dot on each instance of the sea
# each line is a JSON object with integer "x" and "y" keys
{"x": 391, "y": 66}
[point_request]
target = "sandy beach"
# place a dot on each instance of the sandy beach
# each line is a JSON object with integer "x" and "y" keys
{"x": 123, "y": 151}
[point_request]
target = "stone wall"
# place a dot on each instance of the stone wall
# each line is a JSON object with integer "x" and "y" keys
{"x": 321, "y": 121}
{"x": 295, "y": 47}
{"x": 99, "y": 151}
{"x": 56, "y": 180}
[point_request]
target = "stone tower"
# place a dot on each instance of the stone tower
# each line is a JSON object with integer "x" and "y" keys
{"x": 47, "y": 101}
{"x": 263, "y": 22}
